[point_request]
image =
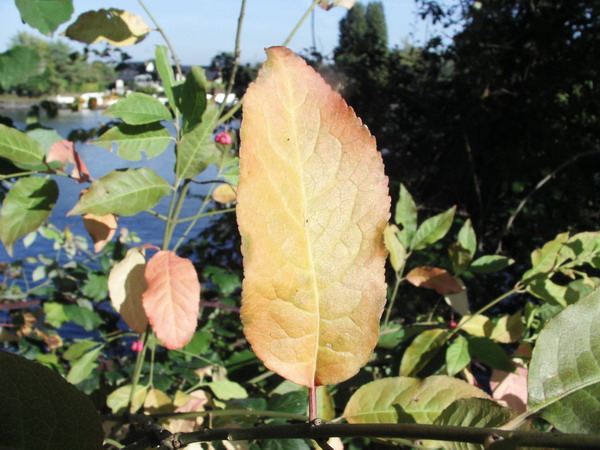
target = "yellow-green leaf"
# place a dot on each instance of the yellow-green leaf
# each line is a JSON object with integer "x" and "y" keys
{"x": 394, "y": 247}
{"x": 477, "y": 325}
{"x": 422, "y": 350}
{"x": 382, "y": 400}
{"x": 123, "y": 192}
{"x": 20, "y": 149}
{"x": 116, "y": 26}
{"x": 312, "y": 206}
{"x": 118, "y": 400}
{"x": 25, "y": 207}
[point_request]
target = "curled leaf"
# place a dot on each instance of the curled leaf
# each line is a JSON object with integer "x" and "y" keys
{"x": 434, "y": 278}
{"x": 64, "y": 151}
{"x": 172, "y": 298}
{"x": 312, "y": 206}
{"x": 100, "y": 228}
{"x": 224, "y": 194}
{"x": 328, "y": 4}
{"x": 126, "y": 284}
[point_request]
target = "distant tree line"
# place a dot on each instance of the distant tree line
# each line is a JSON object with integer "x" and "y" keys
{"x": 479, "y": 122}
{"x": 62, "y": 69}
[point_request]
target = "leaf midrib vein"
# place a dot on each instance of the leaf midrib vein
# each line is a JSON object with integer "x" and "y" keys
{"x": 311, "y": 263}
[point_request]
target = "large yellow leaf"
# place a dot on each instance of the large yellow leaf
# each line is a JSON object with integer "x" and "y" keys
{"x": 312, "y": 206}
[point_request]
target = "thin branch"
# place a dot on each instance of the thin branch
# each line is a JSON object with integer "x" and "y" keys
{"x": 476, "y": 184}
{"x": 206, "y": 214}
{"x": 300, "y": 22}
{"x": 537, "y": 187}
{"x": 236, "y": 57}
{"x": 165, "y": 37}
{"x": 225, "y": 117}
{"x": 406, "y": 431}
{"x": 19, "y": 174}
{"x": 155, "y": 214}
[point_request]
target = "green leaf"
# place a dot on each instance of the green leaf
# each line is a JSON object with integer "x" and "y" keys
{"x": 77, "y": 350}
{"x": 283, "y": 444}
{"x": 564, "y": 374}
{"x": 46, "y": 137}
{"x": 20, "y": 149}
{"x": 232, "y": 173}
{"x": 83, "y": 367}
{"x": 406, "y": 216}
{"x": 424, "y": 400}
{"x": 123, "y": 192}
{"x": 459, "y": 257}
{"x": 197, "y": 149}
{"x": 543, "y": 287}
{"x": 83, "y": 317}
{"x": 397, "y": 252}
{"x": 457, "y": 355}
{"x": 118, "y": 400}
{"x": 394, "y": 335}
{"x": 41, "y": 410}
{"x": 55, "y": 314}
{"x": 132, "y": 140}
{"x": 25, "y": 207}
{"x": 422, "y": 350}
{"x": 433, "y": 229}
{"x": 199, "y": 344}
{"x": 292, "y": 402}
{"x": 116, "y": 26}
{"x": 138, "y": 109}
{"x": 226, "y": 282}
{"x": 490, "y": 264}
{"x": 45, "y": 15}
{"x": 96, "y": 287}
{"x": 467, "y": 238}
{"x": 472, "y": 412}
{"x": 508, "y": 329}
{"x": 191, "y": 100}
{"x": 490, "y": 353}
{"x": 544, "y": 260}
{"x": 165, "y": 70}
{"x": 477, "y": 325}
{"x": 16, "y": 66}
{"x": 226, "y": 390}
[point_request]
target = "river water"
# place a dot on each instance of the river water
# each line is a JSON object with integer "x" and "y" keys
{"x": 99, "y": 162}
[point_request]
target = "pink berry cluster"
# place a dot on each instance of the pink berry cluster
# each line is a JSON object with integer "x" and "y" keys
{"x": 137, "y": 346}
{"x": 223, "y": 138}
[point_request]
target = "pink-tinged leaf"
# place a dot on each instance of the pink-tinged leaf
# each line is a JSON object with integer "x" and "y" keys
{"x": 434, "y": 278}
{"x": 196, "y": 402}
{"x": 172, "y": 299}
{"x": 100, "y": 228}
{"x": 126, "y": 284}
{"x": 64, "y": 152}
{"x": 312, "y": 206}
{"x": 510, "y": 388}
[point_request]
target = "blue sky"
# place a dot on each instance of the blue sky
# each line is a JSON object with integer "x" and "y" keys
{"x": 201, "y": 28}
